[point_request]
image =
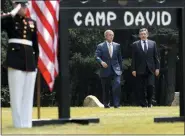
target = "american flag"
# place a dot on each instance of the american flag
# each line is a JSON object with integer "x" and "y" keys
{"x": 46, "y": 15}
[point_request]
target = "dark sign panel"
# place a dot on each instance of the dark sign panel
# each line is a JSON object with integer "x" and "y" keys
{"x": 123, "y": 18}
{"x": 121, "y": 3}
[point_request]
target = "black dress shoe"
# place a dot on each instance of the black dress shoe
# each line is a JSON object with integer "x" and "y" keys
{"x": 150, "y": 106}
{"x": 106, "y": 107}
{"x": 116, "y": 106}
{"x": 144, "y": 106}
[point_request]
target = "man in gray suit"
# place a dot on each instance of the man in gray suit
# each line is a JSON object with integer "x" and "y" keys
{"x": 145, "y": 66}
{"x": 108, "y": 55}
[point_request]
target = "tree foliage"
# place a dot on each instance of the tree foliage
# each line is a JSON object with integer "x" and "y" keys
{"x": 6, "y": 7}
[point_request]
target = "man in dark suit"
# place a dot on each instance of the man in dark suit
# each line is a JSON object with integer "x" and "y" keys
{"x": 108, "y": 55}
{"x": 21, "y": 62}
{"x": 145, "y": 66}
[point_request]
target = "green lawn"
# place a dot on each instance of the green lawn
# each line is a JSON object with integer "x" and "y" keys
{"x": 126, "y": 120}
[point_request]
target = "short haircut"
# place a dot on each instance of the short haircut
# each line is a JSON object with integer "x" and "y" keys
{"x": 143, "y": 29}
{"x": 105, "y": 33}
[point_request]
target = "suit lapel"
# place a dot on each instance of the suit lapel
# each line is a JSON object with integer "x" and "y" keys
{"x": 106, "y": 48}
{"x": 113, "y": 48}
{"x": 149, "y": 47}
{"x": 140, "y": 46}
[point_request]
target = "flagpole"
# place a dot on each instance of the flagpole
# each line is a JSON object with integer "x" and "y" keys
{"x": 38, "y": 94}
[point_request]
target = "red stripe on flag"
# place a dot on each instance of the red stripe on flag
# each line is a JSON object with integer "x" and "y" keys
{"x": 27, "y": 12}
{"x": 45, "y": 47}
{"x": 53, "y": 13}
{"x": 44, "y": 71}
{"x": 43, "y": 19}
{"x": 56, "y": 73}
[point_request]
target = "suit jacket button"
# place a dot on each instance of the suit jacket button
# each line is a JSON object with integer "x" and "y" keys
{"x": 24, "y": 36}
{"x": 13, "y": 49}
{"x": 33, "y": 52}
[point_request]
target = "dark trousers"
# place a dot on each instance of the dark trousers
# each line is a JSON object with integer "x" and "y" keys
{"x": 145, "y": 85}
{"x": 111, "y": 83}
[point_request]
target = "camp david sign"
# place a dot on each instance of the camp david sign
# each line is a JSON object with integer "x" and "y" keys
{"x": 101, "y": 18}
{"x": 121, "y": 18}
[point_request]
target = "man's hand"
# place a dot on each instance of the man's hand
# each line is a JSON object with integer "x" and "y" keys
{"x": 134, "y": 73}
{"x": 157, "y": 72}
{"x": 15, "y": 10}
{"x": 104, "y": 64}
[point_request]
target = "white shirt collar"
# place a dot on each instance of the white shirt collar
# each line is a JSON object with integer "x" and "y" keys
{"x": 108, "y": 43}
{"x": 142, "y": 41}
{"x": 142, "y": 44}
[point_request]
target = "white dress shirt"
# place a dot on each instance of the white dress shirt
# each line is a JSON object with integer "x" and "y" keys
{"x": 142, "y": 44}
{"x": 111, "y": 47}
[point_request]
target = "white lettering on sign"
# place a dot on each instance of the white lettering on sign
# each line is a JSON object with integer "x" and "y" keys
{"x": 90, "y": 20}
{"x": 78, "y": 22}
{"x": 111, "y": 16}
{"x": 100, "y": 16}
{"x": 140, "y": 18}
{"x": 162, "y": 18}
{"x": 168, "y": 16}
{"x": 149, "y": 19}
{"x": 126, "y": 16}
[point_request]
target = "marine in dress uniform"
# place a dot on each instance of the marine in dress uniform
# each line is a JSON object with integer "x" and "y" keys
{"x": 21, "y": 61}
